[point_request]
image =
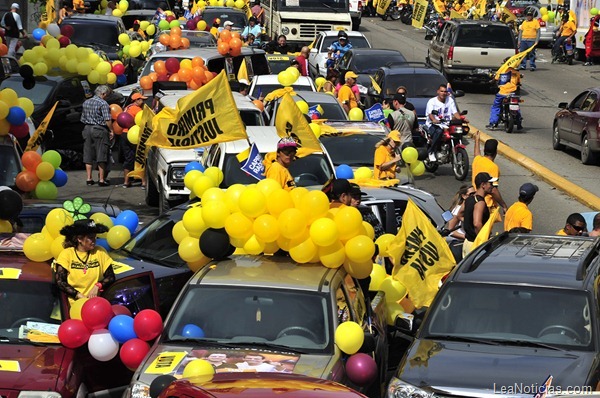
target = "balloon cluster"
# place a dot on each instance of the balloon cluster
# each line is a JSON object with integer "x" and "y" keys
{"x": 191, "y": 71}
{"x": 547, "y": 16}
{"x": 11, "y": 205}
{"x": 169, "y": 22}
{"x": 103, "y": 327}
{"x": 133, "y": 48}
{"x": 229, "y": 43}
{"x": 288, "y": 77}
{"x": 121, "y": 8}
{"x": 173, "y": 39}
{"x": 410, "y": 155}
{"x": 14, "y": 111}
{"x": 360, "y": 368}
{"x": 42, "y": 174}
{"x": 124, "y": 120}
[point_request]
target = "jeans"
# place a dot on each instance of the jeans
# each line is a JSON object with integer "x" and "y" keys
{"x": 497, "y": 108}
{"x": 435, "y": 132}
{"x": 12, "y": 45}
{"x": 525, "y": 44}
{"x": 559, "y": 42}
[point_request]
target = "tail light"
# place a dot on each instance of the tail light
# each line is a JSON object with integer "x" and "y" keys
{"x": 450, "y": 53}
{"x": 514, "y": 100}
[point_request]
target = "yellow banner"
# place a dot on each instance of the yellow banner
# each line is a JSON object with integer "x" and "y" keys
{"x": 290, "y": 122}
{"x": 141, "y": 151}
{"x": 165, "y": 363}
{"x": 376, "y": 86}
{"x": 200, "y": 119}
{"x": 38, "y": 137}
{"x": 456, "y": 15}
{"x": 507, "y": 15}
{"x": 513, "y": 62}
{"x": 420, "y": 10}
{"x": 421, "y": 256}
{"x": 9, "y": 366}
{"x": 10, "y": 273}
{"x": 486, "y": 230}
{"x": 382, "y": 6}
{"x": 440, "y": 6}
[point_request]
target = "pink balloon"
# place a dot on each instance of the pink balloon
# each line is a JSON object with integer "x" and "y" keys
{"x": 133, "y": 352}
{"x": 121, "y": 310}
{"x": 20, "y": 131}
{"x": 147, "y": 324}
{"x": 118, "y": 69}
{"x": 361, "y": 369}
{"x": 172, "y": 65}
{"x": 96, "y": 313}
{"x": 72, "y": 333}
{"x": 67, "y": 30}
{"x": 125, "y": 120}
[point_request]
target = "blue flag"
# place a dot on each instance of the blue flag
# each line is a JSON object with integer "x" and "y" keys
{"x": 375, "y": 113}
{"x": 314, "y": 111}
{"x": 254, "y": 164}
{"x": 504, "y": 78}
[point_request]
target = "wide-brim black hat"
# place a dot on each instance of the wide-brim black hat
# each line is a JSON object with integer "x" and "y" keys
{"x": 83, "y": 227}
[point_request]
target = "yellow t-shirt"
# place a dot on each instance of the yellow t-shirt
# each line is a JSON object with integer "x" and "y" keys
{"x": 481, "y": 164}
{"x": 345, "y": 95}
{"x": 84, "y": 272}
{"x": 280, "y": 174}
{"x": 518, "y": 215}
{"x": 561, "y": 232}
{"x": 568, "y": 28}
{"x": 383, "y": 155}
{"x": 78, "y": 5}
{"x": 529, "y": 29}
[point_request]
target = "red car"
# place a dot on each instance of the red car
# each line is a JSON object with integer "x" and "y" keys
{"x": 517, "y": 7}
{"x": 259, "y": 385}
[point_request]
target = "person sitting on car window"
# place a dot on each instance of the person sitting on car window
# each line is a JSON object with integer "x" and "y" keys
{"x": 280, "y": 46}
{"x": 252, "y": 29}
{"x": 278, "y": 169}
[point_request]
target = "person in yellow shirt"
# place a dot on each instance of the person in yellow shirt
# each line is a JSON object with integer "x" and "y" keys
{"x": 518, "y": 215}
{"x": 485, "y": 164}
{"x": 575, "y": 226}
{"x": 529, "y": 36}
{"x": 386, "y": 157}
{"x": 278, "y": 169}
{"x": 508, "y": 82}
{"x": 79, "y": 6}
{"x": 567, "y": 29}
{"x": 82, "y": 269}
{"x": 339, "y": 191}
{"x": 345, "y": 94}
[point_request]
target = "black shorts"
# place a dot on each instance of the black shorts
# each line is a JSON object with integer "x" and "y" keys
{"x": 96, "y": 144}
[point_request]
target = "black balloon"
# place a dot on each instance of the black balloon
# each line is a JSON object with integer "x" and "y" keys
{"x": 214, "y": 243}
{"x": 11, "y": 204}
{"x": 28, "y": 83}
{"x": 26, "y": 71}
{"x": 159, "y": 384}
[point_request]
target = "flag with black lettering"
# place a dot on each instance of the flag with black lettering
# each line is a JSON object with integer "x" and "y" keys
{"x": 202, "y": 118}
{"x": 290, "y": 122}
{"x": 141, "y": 151}
{"x": 419, "y": 13}
{"x": 421, "y": 256}
{"x": 38, "y": 136}
{"x": 485, "y": 232}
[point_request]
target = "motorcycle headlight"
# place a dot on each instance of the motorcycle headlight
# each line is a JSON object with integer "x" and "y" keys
{"x": 140, "y": 390}
{"x": 399, "y": 389}
{"x": 285, "y": 30}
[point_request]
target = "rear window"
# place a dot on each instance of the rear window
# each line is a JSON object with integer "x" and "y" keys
{"x": 485, "y": 36}
{"x": 370, "y": 63}
{"x": 87, "y": 32}
{"x": 238, "y": 18}
{"x": 418, "y": 85}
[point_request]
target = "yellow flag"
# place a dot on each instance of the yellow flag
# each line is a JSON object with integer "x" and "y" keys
{"x": 507, "y": 15}
{"x": 440, "y": 6}
{"x": 200, "y": 119}
{"x": 376, "y": 86}
{"x": 141, "y": 151}
{"x": 456, "y": 15}
{"x": 421, "y": 256}
{"x": 420, "y": 10}
{"x": 278, "y": 93}
{"x": 38, "y": 136}
{"x": 513, "y": 62}
{"x": 243, "y": 72}
{"x": 486, "y": 230}
{"x": 290, "y": 122}
{"x": 482, "y": 8}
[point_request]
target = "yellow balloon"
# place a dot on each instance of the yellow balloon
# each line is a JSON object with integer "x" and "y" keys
{"x": 254, "y": 245}
{"x": 545, "y": 17}
{"x": 417, "y": 168}
{"x": 135, "y": 50}
{"x": 103, "y": 68}
{"x": 144, "y": 25}
{"x": 201, "y": 184}
{"x": 348, "y": 220}
{"x": 213, "y": 195}
{"x": 27, "y": 105}
{"x": 117, "y": 236}
{"x": 215, "y": 214}
{"x": 332, "y": 256}
{"x": 359, "y": 270}
{"x": 543, "y": 10}
{"x": 201, "y": 25}
{"x": 215, "y": 174}
{"x": 294, "y": 72}
{"x": 360, "y": 249}
{"x": 410, "y": 155}
{"x": 314, "y": 205}
{"x": 393, "y": 311}
{"x": 3, "y": 111}
{"x": 232, "y": 197}
{"x": 101, "y": 218}
{"x": 124, "y": 39}
{"x": 369, "y": 230}
{"x": 394, "y": 290}
{"x": 179, "y": 232}
{"x": 5, "y": 227}
{"x": 193, "y": 221}
{"x": 37, "y": 247}
{"x": 111, "y": 78}
{"x": 198, "y": 371}
{"x": 9, "y": 96}
{"x": 190, "y": 177}
{"x": 196, "y": 265}
{"x": 117, "y": 13}
{"x": 123, "y": 5}
{"x": 303, "y": 249}
{"x": 285, "y": 78}
{"x": 320, "y": 81}
{"x": 75, "y": 310}
{"x": 324, "y": 232}
{"x": 239, "y": 226}
{"x": 297, "y": 194}
{"x": 377, "y": 276}
{"x": 56, "y": 219}
{"x": 316, "y": 129}
{"x": 189, "y": 250}
{"x": 279, "y": 201}
{"x": 185, "y": 64}
{"x": 292, "y": 223}
{"x": 303, "y": 105}
{"x": 57, "y": 246}
{"x": 356, "y": 114}
{"x": 151, "y": 29}
{"x": 283, "y": 243}
{"x": 268, "y": 186}
{"x": 133, "y": 135}
{"x": 239, "y": 243}
{"x": 239, "y": 3}
{"x": 270, "y": 247}
{"x": 252, "y": 202}
{"x": 139, "y": 119}
{"x": 349, "y": 337}
{"x": 266, "y": 228}
{"x": 382, "y": 242}
{"x": 363, "y": 173}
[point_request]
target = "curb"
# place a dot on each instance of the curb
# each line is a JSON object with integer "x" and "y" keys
{"x": 567, "y": 187}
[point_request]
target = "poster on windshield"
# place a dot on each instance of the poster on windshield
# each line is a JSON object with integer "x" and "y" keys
{"x": 375, "y": 113}
{"x": 241, "y": 361}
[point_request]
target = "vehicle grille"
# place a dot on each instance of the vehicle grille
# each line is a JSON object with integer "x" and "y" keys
{"x": 309, "y": 31}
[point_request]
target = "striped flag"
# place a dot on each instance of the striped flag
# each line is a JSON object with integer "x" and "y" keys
{"x": 543, "y": 390}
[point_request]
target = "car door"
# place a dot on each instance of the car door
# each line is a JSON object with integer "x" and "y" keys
{"x": 565, "y": 119}
{"x": 313, "y": 54}
{"x": 584, "y": 119}
{"x": 436, "y": 45}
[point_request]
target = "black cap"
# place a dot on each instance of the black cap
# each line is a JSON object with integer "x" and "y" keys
{"x": 490, "y": 147}
{"x": 484, "y": 177}
{"x": 342, "y": 33}
{"x": 83, "y": 227}
{"x": 340, "y": 186}
{"x": 527, "y": 190}
{"x": 355, "y": 190}
{"x": 401, "y": 98}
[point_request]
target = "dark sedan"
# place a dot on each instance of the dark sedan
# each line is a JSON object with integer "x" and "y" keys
{"x": 576, "y": 125}
{"x": 98, "y": 31}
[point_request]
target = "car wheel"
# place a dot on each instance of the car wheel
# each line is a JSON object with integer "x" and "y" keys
{"x": 587, "y": 156}
{"x": 556, "y": 138}
{"x": 151, "y": 193}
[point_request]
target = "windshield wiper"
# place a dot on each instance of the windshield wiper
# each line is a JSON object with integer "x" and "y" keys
{"x": 262, "y": 344}
{"x": 527, "y": 343}
{"x": 328, "y": 6}
{"x": 15, "y": 340}
{"x": 464, "y": 338}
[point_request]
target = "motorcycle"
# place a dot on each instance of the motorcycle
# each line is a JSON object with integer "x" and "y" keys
{"x": 406, "y": 14}
{"x": 452, "y": 150}
{"x": 509, "y": 112}
{"x": 565, "y": 53}
{"x": 392, "y": 10}
{"x": 433, "y": 25}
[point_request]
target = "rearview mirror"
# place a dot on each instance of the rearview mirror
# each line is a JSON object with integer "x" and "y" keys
{"x": 563, "y": 105}
{"x": 459, "y": 93}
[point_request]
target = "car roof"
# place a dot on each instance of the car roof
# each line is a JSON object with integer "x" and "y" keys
{"x": 347, "y": 127}
{"x": 543, "y": 260}
{"x": 351, "y": 33}
{"x": 223, "y": 9}
{"x": 312, "y": 96}
{"x": 205, "y": 52}
{"x": 373, "y": 51}
{"x": 93, "y": 17}
{"x": 275, "y": 272}
{"x": 171, "y": 97}
{"x": 272, "y": 79}
{"x": 401, "y": 68}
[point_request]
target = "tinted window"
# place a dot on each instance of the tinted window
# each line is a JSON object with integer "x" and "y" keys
{"x": 134, "y": 293}
{"x": 311, "y": 170}
{"x": 356, "y": 41}
{"x": 238, "y": 18}
{"x": 331, "y": 110}
{"x": 590, "y": 102}
{"x": 370, "y": 63}
{"x": 71, "y": 91}
{"x": 300, "y": 5}
{"x": 87, "y": 32}
{"x": 251, "y": 118}
{"x": 418, "y": 85}
{"x": 484, "y": 36}
{"x": 354, "y": 150}
{"x": 38, "y": 96}
{"x": 279, "y": 65}
{"x": 265, "y": 89}
{"x": 578, "y": 101}
{"x": 10, "y": 165}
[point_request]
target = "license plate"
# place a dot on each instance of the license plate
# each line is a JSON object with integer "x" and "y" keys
{"x": 513, "y": 107}
{"x": 482, "y": 71}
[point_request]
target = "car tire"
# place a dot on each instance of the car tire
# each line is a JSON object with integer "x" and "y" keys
{"x": 151, "y": 193}
{"x": 556, "y": 145}
{"x": 587, "y": 156}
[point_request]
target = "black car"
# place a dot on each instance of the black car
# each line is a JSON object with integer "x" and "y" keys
{"x": 224, "y": 14}
{"x": 517, "y": 309}
{"x": 99, "y": 31}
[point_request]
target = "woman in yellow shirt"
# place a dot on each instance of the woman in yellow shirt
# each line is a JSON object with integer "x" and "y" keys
{"x": 278, "y": 168}
{"x": 386, "y": 159}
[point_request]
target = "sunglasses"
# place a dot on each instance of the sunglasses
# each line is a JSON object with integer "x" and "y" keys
{"x": 576, "y": 227}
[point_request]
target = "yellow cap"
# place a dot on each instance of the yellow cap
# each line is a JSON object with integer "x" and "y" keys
{"x": 394, "y": 135}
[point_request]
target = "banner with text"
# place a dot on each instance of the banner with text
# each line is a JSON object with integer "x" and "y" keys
{"x": 253, "y": 165}
{"x": 290, "y": 122}
{"x": 419, "y": 13}
{"x": 141, "y": 151}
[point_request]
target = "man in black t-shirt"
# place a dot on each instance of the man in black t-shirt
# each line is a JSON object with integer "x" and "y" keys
{"x": 13, "y": 28}
{"x": 476, "y": 212}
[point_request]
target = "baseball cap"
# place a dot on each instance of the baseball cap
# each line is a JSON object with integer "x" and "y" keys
{"x": 350, "y": 74}
{"x": 394, "y": 135}
{"x": 228, "y": 23}
{"x": 137, "y": 96}
{"x": 401, "y": 98}
{"x": 340, "y": 186}
{"x": 484, "y": 177}
{"x": 287, "y": 142}
{"x": 527, "y": 190}
{"x": 490, "y": 147}
{"x": 15, "y": 5}
{"x": 355, "y": 190}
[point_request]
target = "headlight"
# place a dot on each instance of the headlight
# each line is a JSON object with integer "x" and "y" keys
{"x": 399, "y": 389}
{"x": 176, "y": 174}
{"x": 362, "y": 89}
{"x": 285, "y": 30}
{"x": 140, "y": 390}
{"x": 39, "y": 394}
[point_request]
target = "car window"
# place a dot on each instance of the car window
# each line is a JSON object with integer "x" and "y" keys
{"x": 578, "y": 101}
{"x": 311, "y": 170}
{"x": 379, "y": 79}
{"x": 356, "y": 41}
{"x": 370, "y": 63}
{"x": 238, "y": 18}
{"x": 445, "y": 33}
{"x": 331, "y": 110}
{"x": 484, "y": 36}
{"x": 343, "y": 310}
{"x": 87, "y": 32}
{"x": 10, "y": 165}
{"x": 258, "y": 64}
{"x": 251, "y": 118}
{"x": 135, "y": 293}
{"x": 318, "y": 43}
{"x": 345, "y": 61}
{"x": 279, "y": 65}
{"x": 71, "y": 91}
{"x": 38, "y": 96}
{"x": 352, "y": 150}
{"x": 590, "y": 102}
{"x": 418, "y": 85}
{"x": 9, "y": 65}
{"x": 355, "y": 297}
{"x": 233, "y": 174}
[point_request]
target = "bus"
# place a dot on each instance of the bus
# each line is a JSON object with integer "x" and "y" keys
{"x": 301, "y": 20}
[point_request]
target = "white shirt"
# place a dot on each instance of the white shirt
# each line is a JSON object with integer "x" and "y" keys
{"x": 445, "y": 110}
{"x": 263, "y": 367}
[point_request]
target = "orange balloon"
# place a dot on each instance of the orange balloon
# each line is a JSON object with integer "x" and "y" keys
{"x": 175, "y": 42}
{"x": 198, "y": 74}
{"x": 174, "y": 78}
{"x": 225, "y": 35}
{"x": 116, "y": 110}
{"x": 146, "y": 82}
{"x": 27, "y": 180}
{"x": 164, "y": 39}
{"x": 153, "y": 76}
{"x": 185, "y": 74}
{"x": 31, "y": 160}
{"x": 185, "y": 42}
{"x": 209, "y": 76}
{"x": 193, "y": 85}
{"x": 234, "y": 52}
{"x": 3, "y": 49}
{"x": 160, "y": 67}
{"x": 118, "y": 130}
{"x": 176, "y": 31}
{"x": 223, "y": 48}
{"x": 259, "y": 104}
{"x": 197, "y": 61}
{"x": 236, "y": 35}
{"x": 235, "y": 43}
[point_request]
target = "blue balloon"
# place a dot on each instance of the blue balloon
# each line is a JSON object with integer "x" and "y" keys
{"x": 121, "y": 328}
{"x": 121, "y": 80}
{"x": 103, "y": 243}
{"x": 128, "y": 219}
{"x": 38, "y": 33}
{"x": 193, "y": 166}
{"x": 16, "y": 116}
{"x": 60, "y": 178}
{"x": 192, "y": 331}
{"x": 344, "y": 171}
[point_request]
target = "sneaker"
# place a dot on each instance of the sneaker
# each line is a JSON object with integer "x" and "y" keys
{"x": 522, "y": 67}
{"x": 588, "y": 64}
{"x": 432, "y": 157}
{"x": 490, "y": 126}
{"x": 532, "y": 69}
{"x": 103, "y": 183}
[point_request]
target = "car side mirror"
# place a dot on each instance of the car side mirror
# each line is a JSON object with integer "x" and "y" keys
{"x": 563, "y": 105}
{"x": 459, "y": 93}
{"x": 369, "y": 344}
{"x": 313, "y": 50}
{"x": 405, "y": 323}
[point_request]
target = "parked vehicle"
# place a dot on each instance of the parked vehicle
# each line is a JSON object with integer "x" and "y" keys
{"x": 510, "y": 112}
{"x": 356, "y": 11}
{"x": 565, "y": 53}
{"x": 280, "y": 62}
{"x": 262, "y": 85}
{"x": 100, "y": 31}
{"x": 433, "y": 24}
{"x": 518, "y": 7}
{"x": 235, "y": 15}
{"x": 575, "y": 125}
{"x": 317, "y": 57}
{"x": 10, "y": 161}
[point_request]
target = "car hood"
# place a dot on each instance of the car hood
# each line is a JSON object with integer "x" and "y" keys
{"x": 40, "y": 367}
{"x": 134, "y": 266}
{"x": 443, "y": 365}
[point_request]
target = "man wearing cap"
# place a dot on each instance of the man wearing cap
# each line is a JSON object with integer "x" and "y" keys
{"x": 486, "y": 164}
{"x": 476, "y": 212}
{"x": 575, "y": 226}
{"x": 345, "y": 94}
{"x": 529, "y": 36}
{"x": 339, "y": 192}
{"x": 385, "y": 162}
{"x": 342, "y": 45}
{"x": 13, "y": 28}
{"x": 278, "y": 169}
{"x": 402, "y": 119}
{"x": 227, "y": 25}
{"x": 127, "y": 148}
{"x": 518, "y": 215}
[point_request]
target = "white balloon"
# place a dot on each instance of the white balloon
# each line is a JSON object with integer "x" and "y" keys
{"x": 102, "y": 345}
{"x": 53, "y": 29}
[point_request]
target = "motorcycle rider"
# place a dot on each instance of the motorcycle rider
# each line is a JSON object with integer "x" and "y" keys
{"x": 439, "y": 111}
{"x": 508, "y": 83}
{"x": 529, "y": 36}
{"x": 567, "y": 30}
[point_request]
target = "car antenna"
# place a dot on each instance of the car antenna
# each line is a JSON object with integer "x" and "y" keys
{"x": 108, "y": 198}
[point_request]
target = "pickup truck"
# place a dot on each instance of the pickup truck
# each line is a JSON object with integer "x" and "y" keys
{"x": 467, "y": 50}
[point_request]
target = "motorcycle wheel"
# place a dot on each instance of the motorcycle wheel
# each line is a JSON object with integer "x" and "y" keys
{"x": 406, "y": 18}
{"x": 384, "y": 17}
{"x": 395, "y": 15}
{"x": 509, "y": 123}
{"x": 431, "y": 166}
{"x": 461, "y": 166}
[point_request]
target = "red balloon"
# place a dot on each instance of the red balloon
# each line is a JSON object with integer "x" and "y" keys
{"x": 121, "y": 310}
{"x": 20, "y": 131}
{"x": 170, "y": 18}
{"x": 72, "y": 333}
{"x": 64, "y": 40}
{"x": 67, "y": 30}
{"x": 125, "y": 120}
{"x": 133, "y": 352}
{"x": 118, "y": 69}
{"x": 361, "y": 369}
{"x": 26, "y": 180}
{"x": 162, "y": 78}
{"x": 147, "y": 324}
{"x": 96, "y": 313}
{"x": 172, "y": 65}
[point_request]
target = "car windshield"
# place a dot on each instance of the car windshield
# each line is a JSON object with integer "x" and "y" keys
{"x": 265, "y": 89}
{"x": 488, "y": 37}
{"x": 86, "y": 32}
{"x": 331, "y": 110}
{"x": 417, "y": 84}
{"x": 278, "y": 64}
{"x": 313, "y": 5}
{"x": 370, "y": 63}
{"x": 517, "y": 315}
{"x": 37, "y": 96}
{"x": 356, "y": 41}
{"x": 28, "y": 309}
{"x": 284, "y": 317}
{"x": 355, "y": 150}
{"x": 238, "y": 18}
{"x": 10, "y": 165}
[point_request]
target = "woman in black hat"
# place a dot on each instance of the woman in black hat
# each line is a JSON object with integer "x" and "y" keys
{"x": 82, "y": 269}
